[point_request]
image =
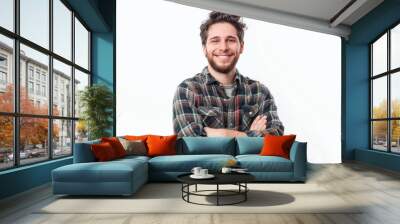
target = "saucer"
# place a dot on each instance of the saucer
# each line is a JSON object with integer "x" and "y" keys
{"x": 208, "y": 176}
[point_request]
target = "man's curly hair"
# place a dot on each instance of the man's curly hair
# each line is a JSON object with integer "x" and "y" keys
{"x": 219, "y": 17}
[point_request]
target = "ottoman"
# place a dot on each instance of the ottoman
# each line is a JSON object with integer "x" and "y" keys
{"x": 118, "y": 177}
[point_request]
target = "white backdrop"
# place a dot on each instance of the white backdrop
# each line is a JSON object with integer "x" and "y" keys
{"x": 158, "y": 46}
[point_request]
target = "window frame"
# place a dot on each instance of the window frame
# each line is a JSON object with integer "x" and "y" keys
{"x": 388, "y": 74}
{"x": 15, "y": 72}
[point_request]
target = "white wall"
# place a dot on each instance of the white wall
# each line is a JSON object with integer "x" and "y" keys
{"x": 158, "y": 46}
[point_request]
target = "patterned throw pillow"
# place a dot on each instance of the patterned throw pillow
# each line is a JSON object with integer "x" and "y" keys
{"x": 134, "y": 147}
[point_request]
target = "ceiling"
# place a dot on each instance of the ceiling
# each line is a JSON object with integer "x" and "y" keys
{"x": 327, "y": 16}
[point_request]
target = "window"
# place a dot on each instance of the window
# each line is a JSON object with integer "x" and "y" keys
{"x": 38, "y": 89}
{"x": 44, "y": 91}
{"x": 43, "y": 77}
{"x": 3, "y": 78}
{"x": 62, "y": 29}
{"x": 62, "y": 75}
{"x": 3, "y": 72}
{"x": 385, "y": 95}
{"x": 54, "y": 126}
{"x": 37, "y": 75}
{"x": 7, "y": 87}
{"x": 81, "y": 81}
{"x": 7, "y": 14}
{"x": 30, "y": 72}
{"x": 30, "y": 87}
{"x": 62, "y": 140}
{"x": 6, "y": 142}
{"x": 81, "y": 45}
{"x": 3, "y": 61}
{"x": 35, "y": 21}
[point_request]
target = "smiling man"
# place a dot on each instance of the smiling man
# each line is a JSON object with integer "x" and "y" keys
{"x": 220, "y": 101}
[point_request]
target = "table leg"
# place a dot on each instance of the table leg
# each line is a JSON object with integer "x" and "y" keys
{"x": 217, "y": 194}
{"x": 188, "y": 190}
{"x": 182, "y": 189}
{"x": 245, "y": 191}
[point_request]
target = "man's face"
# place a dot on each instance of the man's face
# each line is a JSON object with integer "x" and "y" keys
{"x": 222, "y": 47}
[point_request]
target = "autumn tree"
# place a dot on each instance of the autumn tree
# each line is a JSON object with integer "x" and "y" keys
{"x": 33, "y": 131}
{"x": 380, "y": 127}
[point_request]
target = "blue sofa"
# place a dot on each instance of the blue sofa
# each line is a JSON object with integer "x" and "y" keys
{"x": 125, "y": 176}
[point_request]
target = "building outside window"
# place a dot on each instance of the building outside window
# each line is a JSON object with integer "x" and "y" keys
{"x": 3, "y": 72}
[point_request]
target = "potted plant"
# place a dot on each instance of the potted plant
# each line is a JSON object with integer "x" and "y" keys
{"x": 96, "y": 102}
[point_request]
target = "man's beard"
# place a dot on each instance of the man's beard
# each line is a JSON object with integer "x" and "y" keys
{"x": 222, "y": 69}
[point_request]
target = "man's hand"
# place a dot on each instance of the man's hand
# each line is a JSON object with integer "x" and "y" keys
{"x": 259, "y": 123}
{"x": 220, "y": 132}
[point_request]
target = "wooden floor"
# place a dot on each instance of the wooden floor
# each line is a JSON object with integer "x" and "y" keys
{"x": 377, "y": 188}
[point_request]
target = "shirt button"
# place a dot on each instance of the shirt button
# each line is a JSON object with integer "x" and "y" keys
{"x": 251, "y": 113}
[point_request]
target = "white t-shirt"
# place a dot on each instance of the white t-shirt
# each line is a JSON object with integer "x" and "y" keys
{"x": 229, "y": 89}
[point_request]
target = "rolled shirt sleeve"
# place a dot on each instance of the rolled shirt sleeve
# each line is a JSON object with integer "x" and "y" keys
{"x": 186, "y": 119}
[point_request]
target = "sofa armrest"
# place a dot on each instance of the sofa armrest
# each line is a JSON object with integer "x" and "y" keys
{"x": 298, "y": 155}
{"x": 83, "y": 152}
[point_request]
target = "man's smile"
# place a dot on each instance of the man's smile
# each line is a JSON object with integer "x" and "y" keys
{"x": 224, "y": 56}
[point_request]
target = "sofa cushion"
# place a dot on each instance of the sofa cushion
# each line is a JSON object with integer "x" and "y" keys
{"x": 185, "y": 163}
{"x": 249, "y": 145}
{"x": 257, "y": 163}
{"x": 132, "y": 158}
{"x": 206, "y": 145}
{"x": 111, "y": 171}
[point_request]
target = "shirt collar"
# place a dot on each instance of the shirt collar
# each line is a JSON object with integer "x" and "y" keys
{"x": 209, "y": 79}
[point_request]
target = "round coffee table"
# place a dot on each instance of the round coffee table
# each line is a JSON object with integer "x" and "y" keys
{"x": 238, "y": 179}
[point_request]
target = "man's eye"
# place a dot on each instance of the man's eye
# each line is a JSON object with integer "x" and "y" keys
{"x": 232, "y": 40}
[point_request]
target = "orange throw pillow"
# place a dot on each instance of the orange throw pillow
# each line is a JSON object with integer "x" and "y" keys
{"x": 161, "y": 145}
{"x": 277, "y": 145}
{"x": 103, "y": 151}
{"x": 116, "y": 145}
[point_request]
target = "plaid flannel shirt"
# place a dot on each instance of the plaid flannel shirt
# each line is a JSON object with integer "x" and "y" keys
{"x": 201, "y": 102}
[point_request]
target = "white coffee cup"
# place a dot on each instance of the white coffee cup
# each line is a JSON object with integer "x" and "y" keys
{"x": 226, "y": 170}
{"x": 203, "y": 172}
{"x": 196, "y": 170}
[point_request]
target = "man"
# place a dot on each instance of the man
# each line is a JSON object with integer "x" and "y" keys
{"x": 219, "y": 101}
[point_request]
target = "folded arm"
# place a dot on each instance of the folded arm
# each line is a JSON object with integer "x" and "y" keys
{"x": 268, "y": 109}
